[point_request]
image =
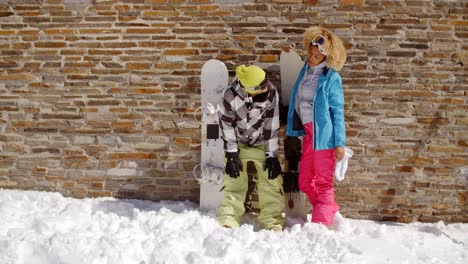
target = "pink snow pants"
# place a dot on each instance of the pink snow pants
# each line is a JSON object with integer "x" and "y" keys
{"x": 316, "y": 179}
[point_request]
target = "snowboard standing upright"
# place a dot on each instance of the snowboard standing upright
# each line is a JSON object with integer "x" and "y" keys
{"x": 214, "y": 79}
{"x": 290, "y": 67}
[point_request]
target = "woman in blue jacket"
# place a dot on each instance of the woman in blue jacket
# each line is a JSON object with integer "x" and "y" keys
{"x": 316, "y": 112}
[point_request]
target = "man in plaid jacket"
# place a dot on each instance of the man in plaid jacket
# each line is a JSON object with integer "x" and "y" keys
{"x": 249, "y": 118}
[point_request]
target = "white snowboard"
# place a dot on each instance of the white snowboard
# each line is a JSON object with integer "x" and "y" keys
{"x": 290, "y": 67}
{"x": 214, "y": 79}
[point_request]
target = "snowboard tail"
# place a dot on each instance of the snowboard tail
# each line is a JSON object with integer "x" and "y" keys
{"x": 295, "y": 199}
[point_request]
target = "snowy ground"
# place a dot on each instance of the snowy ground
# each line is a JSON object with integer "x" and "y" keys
{"x": 39, "y": 227}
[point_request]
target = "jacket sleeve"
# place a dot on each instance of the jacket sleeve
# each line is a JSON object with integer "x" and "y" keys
{"x": 336, "y": 101}
{"x": 227, "y": 121}
{"x": 271, "y": 127}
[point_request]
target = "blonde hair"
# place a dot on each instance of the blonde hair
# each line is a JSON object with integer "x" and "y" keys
{"x": 333, "y": 45}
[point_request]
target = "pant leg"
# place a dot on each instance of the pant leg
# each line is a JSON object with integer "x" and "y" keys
{"x": 270, "y": 198}
{"x": 307, "y": 165}
{"x": 324, "y": 206}
{"x": 316, "y": 179}
{"x": 270, "y": 192}
{"x": 232, "y": 207}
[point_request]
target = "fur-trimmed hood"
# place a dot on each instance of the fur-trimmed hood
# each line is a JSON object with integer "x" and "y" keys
{"x": 333, "y": 45}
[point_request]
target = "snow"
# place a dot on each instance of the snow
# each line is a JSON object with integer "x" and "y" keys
{"x": 42, "y": 227}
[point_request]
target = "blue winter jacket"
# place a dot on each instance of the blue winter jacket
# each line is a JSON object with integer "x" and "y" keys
{"x": 328, "y": 111}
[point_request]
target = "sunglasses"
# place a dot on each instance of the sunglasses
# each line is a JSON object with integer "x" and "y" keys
{"x": 256, "y": 89}
{"x": 319, "y": 42}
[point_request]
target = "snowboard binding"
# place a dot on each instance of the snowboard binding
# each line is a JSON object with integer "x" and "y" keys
{"x": 206, "y": 173}
{"x": 208, "y": 110}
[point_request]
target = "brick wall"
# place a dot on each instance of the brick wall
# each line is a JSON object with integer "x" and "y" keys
{"x": 97, "y": 97}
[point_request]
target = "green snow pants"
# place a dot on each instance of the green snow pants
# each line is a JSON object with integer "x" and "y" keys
{"x": 270, "y": 193}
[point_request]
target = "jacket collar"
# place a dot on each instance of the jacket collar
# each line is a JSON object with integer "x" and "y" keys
{"x": 327, "y": 72}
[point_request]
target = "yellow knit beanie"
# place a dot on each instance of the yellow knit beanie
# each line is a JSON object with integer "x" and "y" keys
{"x": 250, "y": 76}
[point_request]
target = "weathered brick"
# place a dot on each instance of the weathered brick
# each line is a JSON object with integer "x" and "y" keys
{"x": 146, "y": 31}
{"x": 99, "y": 31}
{"x": 17, "y": 77}
{"x": 162, "y": 44}
{"x": 401, "y": 53}
{"x": 95, "y": 194}
{"x": 184, "y": 52}
{"x": 138, "y": 66}
{"x": 133, "y": 155}
{"x": 404, "y": 169}
{"x": 119, "y": 45}
{"x": 352, "y": 2}
{"x": 50, "y": 44}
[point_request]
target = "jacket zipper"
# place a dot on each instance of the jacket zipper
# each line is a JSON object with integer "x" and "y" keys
{"x": 313, "y": 123}
{"x": 313, "y": 112}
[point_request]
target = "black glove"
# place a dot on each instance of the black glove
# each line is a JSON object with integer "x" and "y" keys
{"x": 233, "y": 164}
{"x": 273, "y": 166}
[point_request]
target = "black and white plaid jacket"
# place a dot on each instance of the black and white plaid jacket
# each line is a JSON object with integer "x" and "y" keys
{"x": 250, "y": 120}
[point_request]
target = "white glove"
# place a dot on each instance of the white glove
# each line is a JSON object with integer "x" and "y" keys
{"x": 342, "y": 165}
